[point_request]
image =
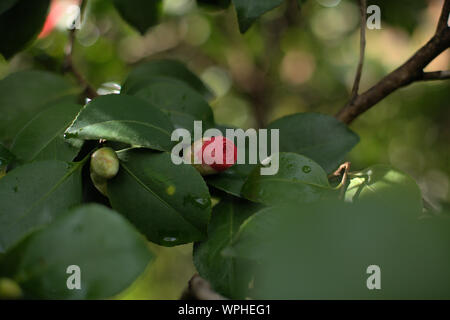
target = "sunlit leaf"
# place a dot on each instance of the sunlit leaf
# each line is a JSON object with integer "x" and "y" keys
{"x": 299, "y": 179}
{"x": 384, "y": 184}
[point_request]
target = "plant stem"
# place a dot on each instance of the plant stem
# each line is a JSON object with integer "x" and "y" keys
{"x": 411, "y": 71}
{"x": 89, "y": 91}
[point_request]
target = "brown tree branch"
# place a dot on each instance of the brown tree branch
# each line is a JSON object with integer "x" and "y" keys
{"x": 362, "y": 51}
{"x": 411, "y": 71}
{"x": 200, "y": 289}
{"x": 435, "y": 75}
{"x": 68, "y": 59}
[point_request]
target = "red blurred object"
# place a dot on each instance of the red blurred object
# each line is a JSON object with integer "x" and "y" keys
{"x": 229, "y": 153}
{"x": 57, "y": 10}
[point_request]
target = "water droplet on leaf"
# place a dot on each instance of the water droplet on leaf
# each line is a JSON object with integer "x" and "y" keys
{"x": 170, "y": 239}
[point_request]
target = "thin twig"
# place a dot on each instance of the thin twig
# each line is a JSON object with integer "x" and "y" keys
{"x": 362, "y": 50}
{"x": 68, "y": 59}
{"x": 411, "y": 71}
{"x": 342, "y": 170}
{"x": 200, "y": 289}
{"x": 435, "y": 75}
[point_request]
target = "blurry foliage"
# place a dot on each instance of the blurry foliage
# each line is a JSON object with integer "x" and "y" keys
{"x": 289, "y": 61}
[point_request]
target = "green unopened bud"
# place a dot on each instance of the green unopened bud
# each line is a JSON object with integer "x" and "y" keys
{"x": 104, "y": 163}
{"x": 9, "y": 289}
{"x": 104, "y": 166}
{"x": 100, "y": 183}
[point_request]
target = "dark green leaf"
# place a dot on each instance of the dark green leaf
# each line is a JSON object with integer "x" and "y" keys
{"x": 319, "y": 137}
{"x": 123, "y": 118}
{"x": 219, "y": 270}
{"x": 6, "y": 5}
{"x": 299, "y": 179}
{"x": 248, "y": 11}
{"x": 20, "y": 24}
{"x": 223, "y": 4}
{"x": 182, "y": 104}
{"x": 106, "y": 248}
{"x": 24, "y": 94}
{"x": 323, "y": 250}
{"x": 33, "y": 195}
{"x": 147, "y": 72}
{"x": 6, "y": 157}
{"x": 232, "y": 180}
{"x": 170, "y": 204}
{"x": 43, "y": 137}
{"x": 141, "y": 14}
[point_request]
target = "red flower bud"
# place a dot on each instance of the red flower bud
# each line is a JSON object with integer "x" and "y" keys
{"x": 212, "y": 155}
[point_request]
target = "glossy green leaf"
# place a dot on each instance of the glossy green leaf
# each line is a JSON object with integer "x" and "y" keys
{"x": 248, "y": 11}
{"x": 20, "y": 24}
{"x": 43, "y": 137}
{"x": 168, "y": 203}
{"x": 221, "y": 271}
{"x": 299, "y": 179}
{"x": 317, "y": 136}
{"x": 384, "y": 184}
{"x": 26, "y": 93}
{"x": 106, "y": 248}
{"x": 182, "y": 104}
{"x": 123, "y": 118}
{"x": 141, "y": 14}
{"x": 34, "y": 194}
{"x": 160, "y": 69}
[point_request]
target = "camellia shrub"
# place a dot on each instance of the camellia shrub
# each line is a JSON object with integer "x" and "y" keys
{"x": 85, "y": 185}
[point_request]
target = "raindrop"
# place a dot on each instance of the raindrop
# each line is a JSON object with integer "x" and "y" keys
{"x": 170, "y": 239}
{"x": 202, "y": 201}
{"x": 306, "y": 169}
{"x": 198, "y": 202}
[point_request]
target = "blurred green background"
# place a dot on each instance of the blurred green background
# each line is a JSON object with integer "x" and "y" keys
{"x": 290, "y": 61}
